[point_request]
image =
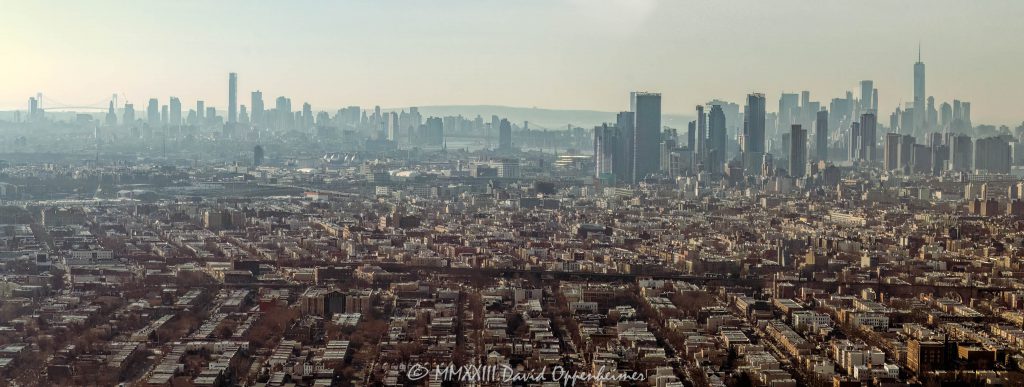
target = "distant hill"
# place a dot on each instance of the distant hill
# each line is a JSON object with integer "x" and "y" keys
{"x": 538, "y": 117}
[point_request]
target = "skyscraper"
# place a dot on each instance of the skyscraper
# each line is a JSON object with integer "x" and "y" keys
{"x": 940, "y": 157}
{"x": 802, "y": 114}
{"x": 753, "y": 132}
{"x": 821, "y": 136}
{"x": 867, "y": 93}
{"x": 716, "y": 139}
{"x": 200, "y": 111}
{"x": 788, "y": 104}
{"x": 869, "y": 137}
{"x": 965, "y": 115}
{"x": 797, "y": 151}
{"x": 307, "y": 116}
{"x": 33, "y": 108}
{"x": 906, "y": 119}
{"x": 992, "y": 154}
{"x": 840, "y": 112}
{"x": 175, "y": 115}
{"x": 892, "y": 151}
{"x": 922, "y": 159}
{"x": 919, "y": 95}
{"x": 414, "y": 119}
{"x": 646, "y": 108}
{"x": 733, "y": 117}
{"x": 505, "y": 135}
{"x": 111, "y": 118}
{"x": 691, "y": 135}
{"x": 958, "y": 115}
{"x": 767, "y": 165}
{"x": 232, "y": 98}
{"x": 961, "y": 153}
{"x": 874, "y": 101}
{"x": 434, "y": 131}
{"x": 257, "y": 155}
{"x": 626, "y": 122}
{"x": 932, "y": 116}
{"x": 702, "y": 135}
{"x": 211, "y": 116}
{"x": 283, "y": 111}
{"x": 495, "y": 124}
{"x": 905, "y": 153}
{"x": 243, "y": 115}
{"x": 604, "y": 149}
{"x": 129, "y": 114}
{"x": 945, "y": 116}
{"x": 256, "y": 103}
{"x": 390, "y": 126}
{"x": 153, "y": 113}
{"x": 855, "y": 147}
{"x": 667, "y": 146}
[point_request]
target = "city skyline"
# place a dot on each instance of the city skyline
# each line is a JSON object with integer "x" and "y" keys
{"x": 607, "y": 193}
{"x": 414, "y": 68}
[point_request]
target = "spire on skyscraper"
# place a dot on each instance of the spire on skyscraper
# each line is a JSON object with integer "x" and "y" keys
{"x": 920, "y": 95}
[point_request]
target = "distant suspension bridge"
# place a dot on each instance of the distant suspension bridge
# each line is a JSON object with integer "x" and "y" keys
{"x": 48, "y": 103}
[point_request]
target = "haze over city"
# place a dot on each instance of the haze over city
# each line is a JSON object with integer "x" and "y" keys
{"x": 559, "y": 193}
{"x": 572, "y": 54}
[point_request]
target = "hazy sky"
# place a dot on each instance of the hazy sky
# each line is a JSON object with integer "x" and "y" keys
{"x": 579, "y": 54}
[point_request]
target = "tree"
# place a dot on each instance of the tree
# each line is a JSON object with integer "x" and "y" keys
{"x": 515, "y": 323}
{"x": 743, "y": 380}
{"x": 691, "y": 302}
{"x": 224, "y": 332}
{"x": 9, "y": 311}
{"x": 271, "y": 325}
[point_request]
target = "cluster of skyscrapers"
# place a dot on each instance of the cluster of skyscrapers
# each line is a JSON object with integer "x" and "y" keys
{"x": 636, "y": 147}
{"x": 948, "y": 151}
{"x": 922, "y": 116}
{"x": 630, "y": 150}
{"x": 721, "y": 141}
{"x": 385, "y": 128}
